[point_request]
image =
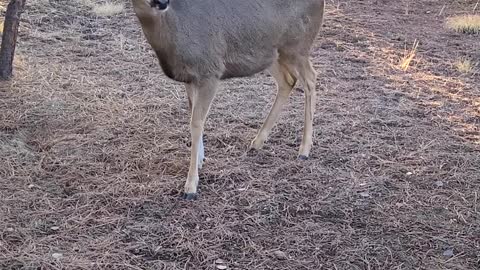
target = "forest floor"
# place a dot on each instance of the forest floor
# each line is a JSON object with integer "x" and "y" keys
{"x": 94, "y": 150}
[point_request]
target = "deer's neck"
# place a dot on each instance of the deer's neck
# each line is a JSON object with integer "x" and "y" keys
{"x": 156, "y": 24}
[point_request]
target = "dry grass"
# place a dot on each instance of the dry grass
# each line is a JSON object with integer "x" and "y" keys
{"x": 408, "y": 57}
{"x": 94, "y": 154}
{"x": 465, "y": 66}
{"x": 107, "y": 9}
{"x": 407, "y": 6}
{"x": 465, "y": 23}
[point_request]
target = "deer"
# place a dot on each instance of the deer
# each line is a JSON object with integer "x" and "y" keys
{"x": 200, "y": 43}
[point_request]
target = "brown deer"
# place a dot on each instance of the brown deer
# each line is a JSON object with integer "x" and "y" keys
{"x": 202, "y": 42}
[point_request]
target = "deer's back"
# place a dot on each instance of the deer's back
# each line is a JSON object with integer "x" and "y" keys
{"x": 233, "y": 38}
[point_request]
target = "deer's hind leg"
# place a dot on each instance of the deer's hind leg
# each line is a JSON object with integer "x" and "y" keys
{"x": 285, "y": 81}
{"x": 308, "y": 76}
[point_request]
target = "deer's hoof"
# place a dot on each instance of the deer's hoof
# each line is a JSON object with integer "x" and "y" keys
{"x": 251, "y": 152}
{"x": 190, "y": 196}
{"x": 302, "y": 157}
{"x": 200, "y": 163}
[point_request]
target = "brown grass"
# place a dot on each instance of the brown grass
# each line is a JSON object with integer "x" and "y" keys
{"x": 408, "y": 57}
{"x": 465, "y": 66}
{"x": 93, "y": 153}
{"x": 469, "y": 24}
{"x": 107, "y": 9}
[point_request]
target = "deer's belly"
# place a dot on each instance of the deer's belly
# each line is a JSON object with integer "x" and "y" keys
{"x": 245, "y": 65}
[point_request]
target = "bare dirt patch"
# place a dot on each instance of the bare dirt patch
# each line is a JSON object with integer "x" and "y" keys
{"x": 94, "y": 151}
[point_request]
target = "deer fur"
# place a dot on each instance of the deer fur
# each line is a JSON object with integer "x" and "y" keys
{"x": 201, "y": 42}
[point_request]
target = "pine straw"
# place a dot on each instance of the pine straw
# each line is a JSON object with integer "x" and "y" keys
{"x": 93, "y": 156}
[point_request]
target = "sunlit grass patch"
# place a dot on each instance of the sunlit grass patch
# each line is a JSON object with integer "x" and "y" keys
{"x": 469, "y": 24}
{"x": 465, "y": 66}
{"x": 409, "y": 55}
{"x": 107, "y": 9}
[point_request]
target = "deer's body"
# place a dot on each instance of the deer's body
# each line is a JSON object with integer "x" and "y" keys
{"x": 200, "y": 42}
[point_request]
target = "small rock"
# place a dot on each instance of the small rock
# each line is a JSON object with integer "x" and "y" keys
{"x": 364, "y": 194}
{"x": 409, "y": 173}
{"x": 54, "y": 228}
{"x": 219, "y": 261}
{"x": 220, "y": 264}
{"x": 31, "y": 186}
{"x": 400, "y": 204}
{"x": 57, "y": 255}
{"x": 439, "y": 183}
{"x": 280, "y": 255}
{"x": 448, "y": 252}
{"x": 10, "y": 229}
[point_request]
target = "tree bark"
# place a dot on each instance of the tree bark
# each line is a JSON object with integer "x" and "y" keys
{"x": 9, "y": 38}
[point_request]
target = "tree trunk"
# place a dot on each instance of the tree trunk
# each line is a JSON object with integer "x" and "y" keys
{"x": 9, "y": 39}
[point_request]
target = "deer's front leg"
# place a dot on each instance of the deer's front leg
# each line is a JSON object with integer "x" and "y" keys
{"x": 201, "y": 97}
{"x": 201, "y": 152}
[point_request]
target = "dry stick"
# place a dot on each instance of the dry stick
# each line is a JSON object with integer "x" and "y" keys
{"x": 9, "y": 39}
{"x": 441, "y": 11}
{"x": 476, "y": 5}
